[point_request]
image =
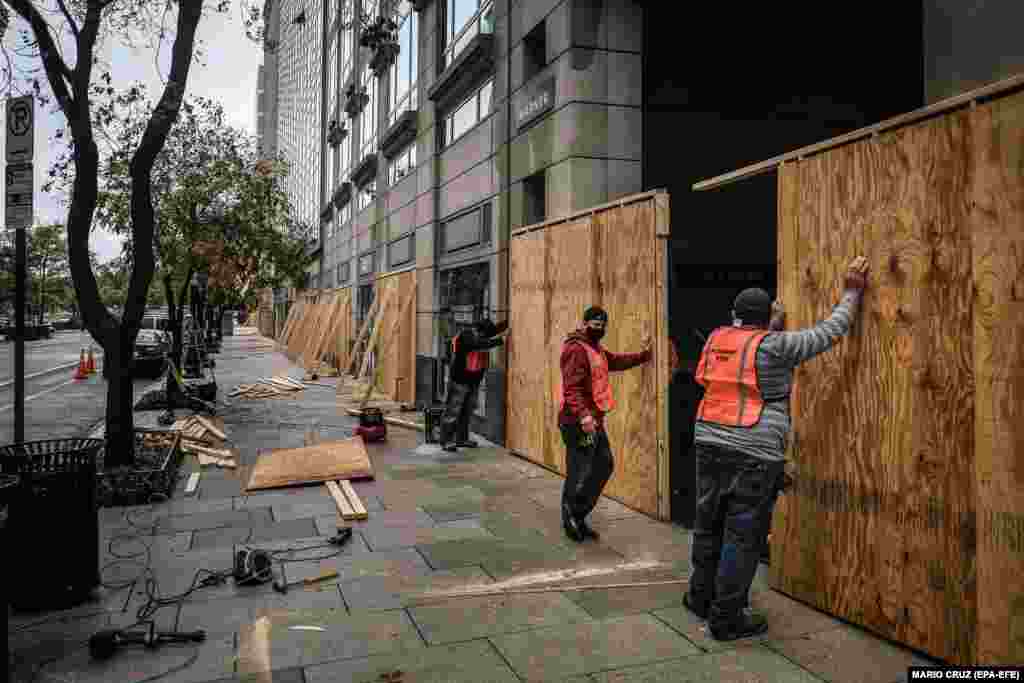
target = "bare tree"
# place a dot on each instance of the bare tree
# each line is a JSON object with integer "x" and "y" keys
{"x": 80, "y": 26}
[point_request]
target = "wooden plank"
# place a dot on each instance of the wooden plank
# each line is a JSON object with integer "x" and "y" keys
{"x": 344, "y": 506}
{"x": 663, "y": 373}
{"x": 392, "y": 359}
{"x": 345, "y": 459}
{"x": 193, "y": 483}
{"x": 878, "y": 528}
{"x": 363, "y": 332}
{"x": 208, "y": 426}
{"x": 357, "y": 505}
{"x": 624, "y": 245}
{"x": 785, "y": 537}
{"x": 996, "y": 202}
{"x": 573, "y": 282}
{"x": 386, "y": 295}
{"x": 527, "y": 390}
{"x": 997, "y": 89}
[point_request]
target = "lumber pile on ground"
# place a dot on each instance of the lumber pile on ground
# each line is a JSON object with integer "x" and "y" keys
{"x": 268, "y": 387}
{"x": 203, "y": 439}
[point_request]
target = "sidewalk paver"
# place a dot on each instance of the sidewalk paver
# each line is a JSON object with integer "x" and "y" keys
{"x": 556, "y": 652}
{"x": 440, "y": 526}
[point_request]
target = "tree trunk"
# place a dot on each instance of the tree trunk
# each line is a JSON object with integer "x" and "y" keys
{"x": 120, "y": 422}
{"x": 174, "y": 394}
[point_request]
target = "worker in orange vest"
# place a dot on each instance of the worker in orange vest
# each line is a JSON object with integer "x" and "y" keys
{"x": 741, "y": 433}
{"x": 586, "y": 397}
{"x": 471, "y": 358}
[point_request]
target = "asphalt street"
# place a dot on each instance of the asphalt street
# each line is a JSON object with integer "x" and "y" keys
{"x": 56, "y": 406}
{"x": 61, "y": 349}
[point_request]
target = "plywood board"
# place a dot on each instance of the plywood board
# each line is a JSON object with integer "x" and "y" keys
{"x": 396, "y": 362}
{"x": 907, "y": 516}
{"x": 996, "y": 204}
{"x": 345, "y": 459}
{"x": 572, "y": 279}
{"x": 527, "y": 429}
{"x": 609, "y": 257}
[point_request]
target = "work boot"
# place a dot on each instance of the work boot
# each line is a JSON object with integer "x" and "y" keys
{"x": 587, "y": 531}
{"x": 450, "y": 448}
{"x": 745, "y": 625}
{"x": 571, "y": 526}
{"x": 469, "y": 443}
{"x": 698, "y": 607}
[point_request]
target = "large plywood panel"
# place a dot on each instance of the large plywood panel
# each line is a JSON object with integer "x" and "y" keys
{"x": 894, "y": 425}
{"x": 625, "y": 251}
{"x": 572, "y": 285}
{"x": 527, "y": 429}
{"x": 329, "y": 461}
{"x": 996, "y": 202}
{"x": 395, "y": 374}
{"x": 611, "y": 257}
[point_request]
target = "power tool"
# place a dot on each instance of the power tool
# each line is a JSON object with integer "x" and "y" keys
{"x": 371, "y": 425}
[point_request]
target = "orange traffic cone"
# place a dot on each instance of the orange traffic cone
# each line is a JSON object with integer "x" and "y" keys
{"x": 91, "y": 366}
{"x": 83, "y": 370}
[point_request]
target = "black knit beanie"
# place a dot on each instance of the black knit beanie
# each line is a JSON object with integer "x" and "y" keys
{"x": 595, "y": 313}
{"x": 753, "y": 306}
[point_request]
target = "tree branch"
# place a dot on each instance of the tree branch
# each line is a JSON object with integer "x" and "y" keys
{"x": 57, "y": 71}
{"x": 67, "y": 15}
{"x": 153, "y": 139}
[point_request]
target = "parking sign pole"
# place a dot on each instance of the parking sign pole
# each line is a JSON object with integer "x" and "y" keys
{"x": 20, "y": 153}
{"x": 19, "y": 336}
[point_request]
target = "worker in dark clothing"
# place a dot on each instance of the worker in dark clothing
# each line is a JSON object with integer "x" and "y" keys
{"x": 470, "y": 360}
{"x": 586, "y": 398}
{"x": 741, "y": 433}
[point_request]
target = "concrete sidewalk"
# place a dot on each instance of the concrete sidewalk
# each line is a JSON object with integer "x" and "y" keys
{"x": 438, "y": 523}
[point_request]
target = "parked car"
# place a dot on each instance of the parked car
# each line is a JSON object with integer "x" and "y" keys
{"x": 152, "y": 344}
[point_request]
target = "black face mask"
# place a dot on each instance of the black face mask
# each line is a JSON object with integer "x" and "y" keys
{"x": 594, "y": 335}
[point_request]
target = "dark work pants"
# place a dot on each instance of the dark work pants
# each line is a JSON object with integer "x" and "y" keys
{"x": 588, "y": 469}
{"x": 735, "y": 497}
{"x": 459, "y": 407}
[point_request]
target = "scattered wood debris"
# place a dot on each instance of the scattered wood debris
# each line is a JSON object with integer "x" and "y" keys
{"x": 203, "y": 439}
{"x": 349, "y": 505}
{"x": 268, "y": 387}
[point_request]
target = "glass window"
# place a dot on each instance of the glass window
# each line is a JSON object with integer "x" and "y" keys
{"x": 468, "y": 114}
{"x": 402, "y": 165}
{"x": 464, "y": 20}
{"x": 368, "y": 117}
{"x": 402, "y": 77}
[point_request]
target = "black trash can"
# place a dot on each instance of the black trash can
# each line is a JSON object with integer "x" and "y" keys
{"x": 53, "y": 523}
{"x": 432, "y": 423}
{"x": 8, "y": 486}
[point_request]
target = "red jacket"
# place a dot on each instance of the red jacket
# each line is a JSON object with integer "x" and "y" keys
{"x": 576, "y": 377}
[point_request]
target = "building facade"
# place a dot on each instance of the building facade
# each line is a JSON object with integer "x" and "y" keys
{"x": 488, "y": 116}
{"x": 481, "y": 116}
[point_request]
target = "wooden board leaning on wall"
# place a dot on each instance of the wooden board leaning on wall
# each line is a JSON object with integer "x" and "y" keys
{"x": 907, "y": 516}
{"x": 613, "y": 257}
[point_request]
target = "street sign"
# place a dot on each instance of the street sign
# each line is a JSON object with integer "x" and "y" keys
{"x": 19, "y": 191}
{"x": 20, "y": 129}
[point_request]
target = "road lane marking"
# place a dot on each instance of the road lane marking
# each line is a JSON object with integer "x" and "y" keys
{"x": 10, "y": 406}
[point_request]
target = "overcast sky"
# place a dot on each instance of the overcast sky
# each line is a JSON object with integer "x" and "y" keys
{"x": 227, "y": 73}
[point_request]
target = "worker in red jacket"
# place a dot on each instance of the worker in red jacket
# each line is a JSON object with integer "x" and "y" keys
{"x": 471, "y": 356}
{"x": 586, "y": 398}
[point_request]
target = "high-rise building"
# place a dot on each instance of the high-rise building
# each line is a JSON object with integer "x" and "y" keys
{"x": 477, "y": 117}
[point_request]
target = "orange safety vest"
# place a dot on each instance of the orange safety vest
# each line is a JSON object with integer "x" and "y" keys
{"x": 600, "y": 385}
{"x": 728, "y": 371}
{"x": 475, "y": 360}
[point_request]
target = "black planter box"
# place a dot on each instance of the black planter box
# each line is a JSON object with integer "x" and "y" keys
{"x": 146, "y": 483}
